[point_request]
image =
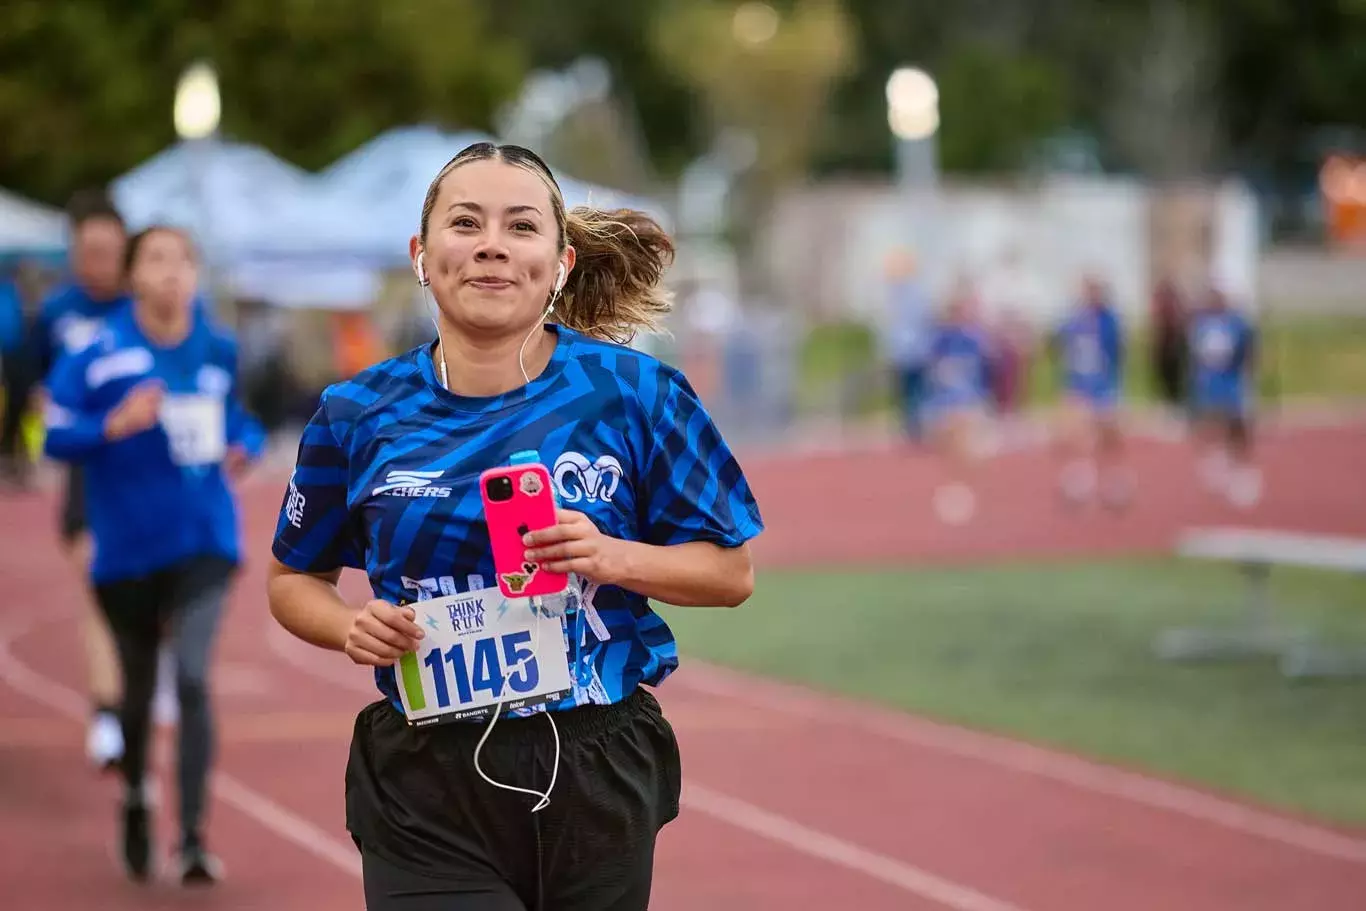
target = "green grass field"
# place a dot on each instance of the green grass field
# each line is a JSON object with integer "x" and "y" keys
{"x": 1062, "y": 655}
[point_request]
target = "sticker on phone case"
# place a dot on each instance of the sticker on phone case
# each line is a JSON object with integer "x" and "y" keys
{"x": 530, "y": 483}
{"x": 516, "y": 582}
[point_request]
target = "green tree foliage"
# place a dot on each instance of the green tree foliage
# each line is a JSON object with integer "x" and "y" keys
{"x": 87, "y": 95}
{"x": 86, "y": 86}
{"x": 994, "y": 104}
{"x": 766, "y": 73}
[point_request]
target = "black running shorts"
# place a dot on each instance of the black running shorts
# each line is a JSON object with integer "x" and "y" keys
{"x": 435, "y": 835}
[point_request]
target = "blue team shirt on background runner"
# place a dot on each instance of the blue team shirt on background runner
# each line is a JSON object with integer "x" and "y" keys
{"x": 68, "y": 322}
{"x": 387, "y": 481}
{"x": 1093, "y": 353}
{"x": 149, "y": 502}
{"x": 1221, "y": 348}
{"x": 958, "y": 369}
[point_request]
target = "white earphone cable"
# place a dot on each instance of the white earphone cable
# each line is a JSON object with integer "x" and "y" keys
{"x": 536, "y": 603}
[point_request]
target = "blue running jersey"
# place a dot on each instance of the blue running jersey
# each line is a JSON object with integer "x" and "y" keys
{"x": 67, "y": 323}
{"x": 959, "y": 370}
{"x": 1092, "y": 344}
{"x": 1221, "y": 344}
{"x": 148, "y": 506}
{"x": 388, "y": 470}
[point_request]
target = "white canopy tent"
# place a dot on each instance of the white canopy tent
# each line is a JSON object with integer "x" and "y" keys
{"x": 223, "y": 192}
{"x": 28, "y": 227}
{"x": 231, "y": 196}
{"x": 363, "y": 209}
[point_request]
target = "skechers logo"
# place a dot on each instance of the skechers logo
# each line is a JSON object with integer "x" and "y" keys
{"x": 411, "y": 484}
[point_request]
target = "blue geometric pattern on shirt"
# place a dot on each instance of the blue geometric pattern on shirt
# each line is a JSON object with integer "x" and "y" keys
{"x": 627, "y": 439}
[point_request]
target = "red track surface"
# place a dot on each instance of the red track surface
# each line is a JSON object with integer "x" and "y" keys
{"x": 793, "y": 800}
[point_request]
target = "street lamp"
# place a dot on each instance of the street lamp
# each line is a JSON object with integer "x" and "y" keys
{"x": 198, "y": 107}
{"x": 197, "y": 103}
{"x": 913, "y": 116}
{"x": 755, "y": 24}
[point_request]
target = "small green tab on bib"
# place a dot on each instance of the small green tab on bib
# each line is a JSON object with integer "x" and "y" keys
{"x": 412, "y": 682}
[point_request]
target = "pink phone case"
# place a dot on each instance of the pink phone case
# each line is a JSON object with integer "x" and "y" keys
{"x": 531, "y": 507}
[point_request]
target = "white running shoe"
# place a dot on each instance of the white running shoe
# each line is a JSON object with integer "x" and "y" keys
{"x": 1244, "y": 488}
{"x": 1077, "y": 481}
{"x": 104, "y": 741}
{"x": 195, "y": 866}
{"x": 955, "y": 504}
{"x": 1215, "y": 469}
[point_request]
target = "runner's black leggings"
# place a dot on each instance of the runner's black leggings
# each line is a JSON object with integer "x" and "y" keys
{"x": 182, "y": 602}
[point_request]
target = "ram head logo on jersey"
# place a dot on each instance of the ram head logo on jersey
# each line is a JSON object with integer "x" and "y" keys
{"x": 411, "y": 484}
{"x": 577, "y": 479}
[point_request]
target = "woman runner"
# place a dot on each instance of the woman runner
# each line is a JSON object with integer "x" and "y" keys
{"x": 556, "y": 805}
{"x": 957, "y": 409}
{"x": 68, "y": 320}
{"x": 1090, "y": 343}
{"x": 149, "y": 410}
{"x": 1223, "y": 356}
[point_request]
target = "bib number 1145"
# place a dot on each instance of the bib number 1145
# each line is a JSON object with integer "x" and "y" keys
{"x": 480, "y": 668}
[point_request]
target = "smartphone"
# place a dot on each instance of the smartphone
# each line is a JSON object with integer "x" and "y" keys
{"x": 518, "y": 499}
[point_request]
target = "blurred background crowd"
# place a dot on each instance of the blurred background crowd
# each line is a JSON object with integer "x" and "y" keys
{"x": 832, "y": 168}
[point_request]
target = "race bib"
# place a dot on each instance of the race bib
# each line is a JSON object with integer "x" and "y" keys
{"x": 1085, "y": 355}
{"x": 196, "y": 426}
{"x": 953, "y": 372}
{"x": 482, "y": 651}
{"x": 1216, "y": 348}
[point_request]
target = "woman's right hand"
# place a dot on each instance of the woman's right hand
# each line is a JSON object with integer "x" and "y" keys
{"x": 139, "y": 410}
{"x": 381, "y": 633}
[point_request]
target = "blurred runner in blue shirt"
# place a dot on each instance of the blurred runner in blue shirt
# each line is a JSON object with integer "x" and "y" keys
{"x": 1223, "y": 346}
{"x": 909, "y": 330}
{"x": 17, "y": 369}
{"x": 67, "y": 322}
{"x": 1091, "y": 345}
{"x": 150, "y": 410}
{"x": 957, "y": 406}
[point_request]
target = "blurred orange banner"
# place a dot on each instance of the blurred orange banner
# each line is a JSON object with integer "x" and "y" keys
{"x": 1342, "y": 180}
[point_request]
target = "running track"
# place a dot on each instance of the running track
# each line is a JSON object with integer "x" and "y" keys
{"x": 792, "y": 799}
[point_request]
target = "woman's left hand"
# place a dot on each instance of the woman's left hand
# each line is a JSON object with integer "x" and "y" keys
{"x": 236, "y": 462}
{"x": 575, "y": 545}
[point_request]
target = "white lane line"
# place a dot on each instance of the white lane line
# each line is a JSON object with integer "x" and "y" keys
{"x": 1019, "y": 757}
{"x": 288, "y": 825}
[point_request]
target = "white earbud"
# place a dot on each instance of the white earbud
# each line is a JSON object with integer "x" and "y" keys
{"x": 420, "y": 268}
{"x": 560, "y": 277}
